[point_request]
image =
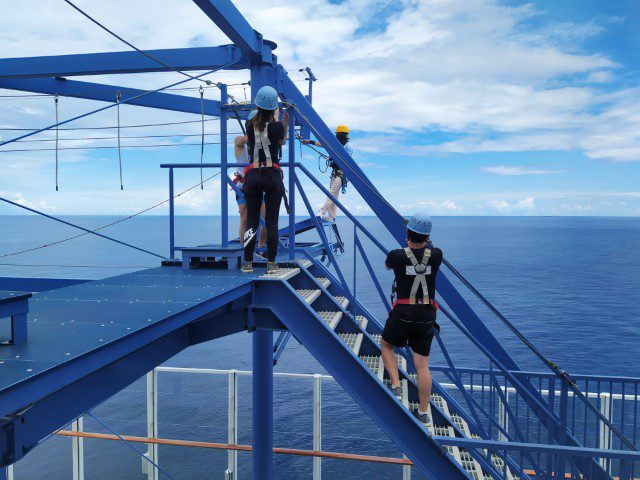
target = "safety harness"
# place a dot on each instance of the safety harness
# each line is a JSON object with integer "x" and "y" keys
{"x": 422, "y": 270}
{"x": 262, "y": 143}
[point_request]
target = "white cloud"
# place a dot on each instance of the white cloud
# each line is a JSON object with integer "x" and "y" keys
{"x": 525, "y": 204}
{"x": 443, "y": 207}
{"x": 480, "y": 70}
{"x": 517, "y": 170}
{"x": 503, "y": 206}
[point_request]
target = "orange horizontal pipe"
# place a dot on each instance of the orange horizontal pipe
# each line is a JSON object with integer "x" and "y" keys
{"x": 248, "y": 448}
{"x": 244, "y": 448}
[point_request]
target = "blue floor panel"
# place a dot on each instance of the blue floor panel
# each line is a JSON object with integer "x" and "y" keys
{"x": 67, "y": 323}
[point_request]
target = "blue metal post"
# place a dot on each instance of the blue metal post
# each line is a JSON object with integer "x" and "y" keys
{"x": 355, "y": 264}
{"x": 224, "y": 197}
{"x": 172, "y": 242}
{"x": 292, "y": 187}
{"x": 262, "y": 404}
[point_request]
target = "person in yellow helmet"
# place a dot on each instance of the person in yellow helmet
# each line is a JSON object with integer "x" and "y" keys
{"x": 338, "y": 179}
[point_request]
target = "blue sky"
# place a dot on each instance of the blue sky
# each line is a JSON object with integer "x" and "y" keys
{"x": 480, "y": 107}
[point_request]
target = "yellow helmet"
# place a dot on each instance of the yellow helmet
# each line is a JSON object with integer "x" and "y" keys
{"x": 342, "y": 129}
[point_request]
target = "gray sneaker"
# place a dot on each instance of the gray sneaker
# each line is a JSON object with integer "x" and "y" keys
{"x": 272, "y": 267}
{"x": 397, "y": 391}
{"x": 425, "y": 418}
{"x": 247, "y": 267}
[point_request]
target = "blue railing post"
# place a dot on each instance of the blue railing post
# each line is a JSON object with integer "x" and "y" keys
{"x": 355, "y": 274}
{"x": 262, "y": 404}
{"x": 292, "y": 186}
{"x": 224, "y": 197}
{"x": 172, "y": 242}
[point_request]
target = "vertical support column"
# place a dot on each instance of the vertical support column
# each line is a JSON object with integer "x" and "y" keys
{"x": 292, "y": 186}
{"x": 262, "y": 404}
{"x": 551, "y": 428}
{"x": 7, "y": 473}
{"x": 172, "y": 243}
{"x": 317, "y": 425}
{"x": 77, "y": 447}
{"x": 152, "y": 424}
{"x": 232, "y": 435}
{"x": 224, "y": 196}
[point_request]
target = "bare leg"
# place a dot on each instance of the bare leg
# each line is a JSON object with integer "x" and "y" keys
{"x": 263, "y": 231}
{"x": 334, "y": 188}
{"x": 390, "y": 363}
{"x": 242, "y": 210}
{"x": 424, "y": 380}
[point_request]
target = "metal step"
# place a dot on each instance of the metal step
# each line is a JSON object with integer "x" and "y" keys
{"x": 331, "y": 318}
{"x": 282, "y": 274}
{"x": 353, "y": 340}
{"x": 448, "y": 431}
{"x": 305, "y": 263}
{"x": 498, "y": 464}
{"x": 471, "y": 465}
{"x": 325, "y": 282}
{"x": 460, "y": 423}
{"x": 309, "y": 295}
{"x": 377, "y": 338}
{"x": 342, "y": 301}
{"x": 374, "y": 364}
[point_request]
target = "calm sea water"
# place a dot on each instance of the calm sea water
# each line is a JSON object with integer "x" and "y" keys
{"x": 572, "y": 285}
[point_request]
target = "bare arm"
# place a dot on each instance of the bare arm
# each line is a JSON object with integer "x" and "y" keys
{"x": 239, "y": 144}
{"x": 285, "y": 122}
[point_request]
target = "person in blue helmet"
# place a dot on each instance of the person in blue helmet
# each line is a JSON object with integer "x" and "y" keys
{"x": 412, "y": 319}
{"x": 263, "y": 177}
{"x": 242, "y": 157}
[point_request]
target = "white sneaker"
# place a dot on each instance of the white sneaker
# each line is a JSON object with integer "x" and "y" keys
{"x": 326, "y": 216}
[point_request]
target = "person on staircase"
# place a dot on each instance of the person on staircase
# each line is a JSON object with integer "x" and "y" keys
{"x": 240, "y": 150}
{"x": 412, "y": 319}
{"x": 263, "y": 179}
{"x": 338, "y": 179}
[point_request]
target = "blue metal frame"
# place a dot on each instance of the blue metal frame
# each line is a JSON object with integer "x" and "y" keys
{"x": 107, "y": 93}
{"x": 199, "y": 58}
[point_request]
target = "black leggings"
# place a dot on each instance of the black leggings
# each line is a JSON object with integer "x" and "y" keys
{"x": 267, "y": 180}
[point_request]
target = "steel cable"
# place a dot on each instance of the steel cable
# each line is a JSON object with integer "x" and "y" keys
{"x": 57, "y": 137}
{"x": 45, "y": 245}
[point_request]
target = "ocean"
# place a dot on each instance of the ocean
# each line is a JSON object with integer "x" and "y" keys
{"x": 570, "y": 284}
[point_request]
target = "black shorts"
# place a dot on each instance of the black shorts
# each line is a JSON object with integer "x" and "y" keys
{"x": 413, "y": 324}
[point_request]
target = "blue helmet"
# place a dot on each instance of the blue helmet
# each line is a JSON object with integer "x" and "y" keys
{"x": 252, "y": 114}
{"x": 267, "y": 98}
{"x": 420, "y": 223}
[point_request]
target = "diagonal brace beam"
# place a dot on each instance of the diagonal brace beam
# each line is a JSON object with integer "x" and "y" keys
{"x": 107, "y": 93}
{"x": 227, "y": 17}
{"x": 201, "y": 58}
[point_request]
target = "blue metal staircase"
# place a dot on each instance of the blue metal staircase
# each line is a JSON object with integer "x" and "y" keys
{"x": 348, "y": 346}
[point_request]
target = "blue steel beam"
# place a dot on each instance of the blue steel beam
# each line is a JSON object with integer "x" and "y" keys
{"x": 201, "y": 58}
{"x": 227, "y": 17}
{"x": 103, "y": 372}
{"x": 307, "y": 116}
{"x": 107, "y": 93}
